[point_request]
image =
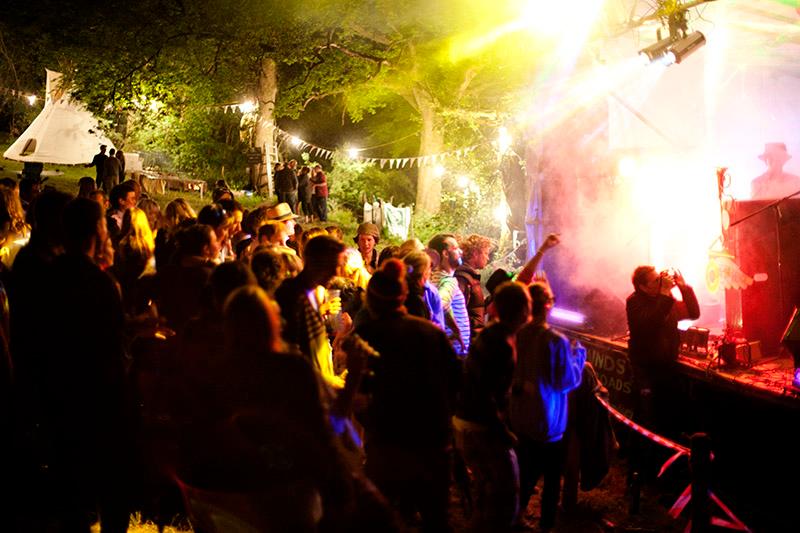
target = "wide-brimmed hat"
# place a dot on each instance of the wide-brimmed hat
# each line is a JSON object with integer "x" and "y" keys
{"x": 368, "y": 228}
{"x": 280, "y": 212}
{"x": 775, "y": 151}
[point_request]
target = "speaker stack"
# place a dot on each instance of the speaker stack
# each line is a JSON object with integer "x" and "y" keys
{"x": 767, "y": 248}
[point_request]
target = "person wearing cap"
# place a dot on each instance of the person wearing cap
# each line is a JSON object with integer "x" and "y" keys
{"x": 774, "y": 183}
{"x": 367, "y": 236}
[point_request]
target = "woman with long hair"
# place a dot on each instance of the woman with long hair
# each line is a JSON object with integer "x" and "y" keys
{"x": 134, "y": 256}
{"x": 14, "y": 231}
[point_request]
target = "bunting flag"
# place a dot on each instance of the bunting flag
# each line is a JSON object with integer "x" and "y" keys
{"x": 392, "y": 162}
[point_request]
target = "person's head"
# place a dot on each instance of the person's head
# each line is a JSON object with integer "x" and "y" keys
{"x": 282, "y": 213}
{"x": 353, "y": 268}
{"x": 135, "y": 186}
{"x": 11, "y": 183}
{"x": 236, "y": 211}
{"x": 476, "y": 250}
{"x": 226, "y": 278}
{"x": 48, "y": 213}
{"x": 309, "y": 234}
{"x": 112, "y": 152}
{"x": 387, "y": 289}
{"x": 252, "y": 323}
{"x": 292, "y": 164}
{"x": 647, "y": 280}
{"x": 269, "y": 268}
{"x": 323, "y": 256}
{"x": 99, "y": 196}
{"x": 304, "y": 170}
{"x": 29, "y": 189}
{"x": 367, "y": 236}
{"x": 448, "y": 250}
{"x": 419, "y": 268}
{"x": 334, "y": 231}
{"x": 221, "y": 193}
{"x": 254, "y": 219}
{"x": 122, "y": 197}
{"x": 120, "y": 155}
{"x": 272, "y": 233}
{"x": 103, "y": 148}
{"x": 135, "y": 232}
{"x": 85, "y": 186}
{"x": 153, "y": 212}
{"x": 177, "y": 211}
{"x": 12, "y": 217}
{"x": 84, "y": 226}
{"x": 411, "y": 245}
{"x": 214, "y": 215}
{"x": 542, "y": 300}
{"x": 317, "y": 168}
{"x": 387, "y": 253}
{"x": 198, "y": 240}
{"x": 513, "y": 304}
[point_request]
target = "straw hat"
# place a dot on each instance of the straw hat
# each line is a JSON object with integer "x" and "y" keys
{"x": 280, "y": 212}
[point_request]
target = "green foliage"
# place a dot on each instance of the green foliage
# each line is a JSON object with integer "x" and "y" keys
{"x": 352, "y": 181}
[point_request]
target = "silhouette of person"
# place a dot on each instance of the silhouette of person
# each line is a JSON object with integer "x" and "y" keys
{"x": 774, "y": 183}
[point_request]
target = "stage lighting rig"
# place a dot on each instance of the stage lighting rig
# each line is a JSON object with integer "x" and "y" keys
{"x": 680, "y": 43}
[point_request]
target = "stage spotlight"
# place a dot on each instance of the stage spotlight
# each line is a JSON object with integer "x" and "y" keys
{"x": 683, "y": 48}
{"x": 655, "y": 51}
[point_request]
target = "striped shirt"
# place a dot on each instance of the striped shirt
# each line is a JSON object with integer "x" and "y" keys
{"x": 453, "y": 304}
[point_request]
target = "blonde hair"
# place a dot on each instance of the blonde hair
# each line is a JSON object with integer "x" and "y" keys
{"x": 418, "y": 263}
{"x": 474, "y": 243}
{"x": 411, "y": 245}
{"x": 136, "y": 233}
{"x": 12, "y": 217}
{"x": 177, "y": 211}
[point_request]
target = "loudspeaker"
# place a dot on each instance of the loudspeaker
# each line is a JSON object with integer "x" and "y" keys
{"x": 767, "y": 248}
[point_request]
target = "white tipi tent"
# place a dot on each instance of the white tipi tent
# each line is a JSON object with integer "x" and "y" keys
{"x": 64, "y": 133}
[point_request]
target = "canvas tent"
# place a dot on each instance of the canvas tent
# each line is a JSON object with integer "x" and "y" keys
{"x": 64, "y": 133}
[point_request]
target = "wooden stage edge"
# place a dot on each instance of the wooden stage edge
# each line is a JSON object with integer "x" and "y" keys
{"x": 768, "y": 379}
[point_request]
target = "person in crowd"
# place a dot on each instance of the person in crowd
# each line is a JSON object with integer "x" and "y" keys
{"x": 236, "y": 210}
{"x": 525, "y": 276}
{"x": 100, "y": 196}
{"x": 653, "y": 316}
{"x": 476, "y": 250}
{"x": 286, "y": 184}
{"x": 270, "y": 269}
{"x": 215, "y": 216}
{"x": 388, "y": 252}
{"x": 423, "y": 298}
{"x": 412, "y": 389}
{"x": 319, "y": 193}
{"x": 304, "y": 190}
{"x": 122, "y": 198}
{"x": 29, "y": 190}
{"x": 99, "y": 164}
{"x": 775, "y": 183}
{"x": 273, "y": 233}
{"x": 410, "y": 245}
{"x": 456, "y": 319}
{"x": 111, "y": 173}
{"x": 547, "y": 369}
{"x": 86, "y": 185}
{"x": 14, "y": 231}
{"x": 136, "y": 187}
{"x": 121, "y": 158}
{"x": 134, "y": 257}
{"x": 367, "y": 238}
{"x": 84, "y": 371}
{"x": 220, "y": 193}
{"x": 354, "y": 270}
{"x": 153, "y": 212}
{"x": 335, "y": 231}
{"x": 304, "y": 305}
{"x": 180, "y": 284}
{"x": 481, "y": 429}
{"x": 282, "y": 214}
{"x": 265, "y": 431}
{"x": 178, "y": 213}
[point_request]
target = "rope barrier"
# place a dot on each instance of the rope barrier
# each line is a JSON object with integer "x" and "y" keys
{"x": 683, "y": 500}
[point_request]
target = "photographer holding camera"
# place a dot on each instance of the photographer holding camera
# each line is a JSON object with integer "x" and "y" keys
{"x": 653, "y": 316}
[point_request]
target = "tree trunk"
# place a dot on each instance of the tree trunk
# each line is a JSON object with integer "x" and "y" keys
{"x": 429, "y": 185}
{"x": 267, "y": 91}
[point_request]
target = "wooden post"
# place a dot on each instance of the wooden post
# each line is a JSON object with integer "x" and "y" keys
{"x": 700, "y": 464}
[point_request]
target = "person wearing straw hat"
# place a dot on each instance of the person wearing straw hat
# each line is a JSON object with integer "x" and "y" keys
{"x": 774, "y": 183}
{"x": 282, "y": 213}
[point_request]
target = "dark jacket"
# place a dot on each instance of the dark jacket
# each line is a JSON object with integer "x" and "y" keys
{"x": 469, "y": 281}
{"x": 286, "y": 180}
{"x": 415, "y": 380}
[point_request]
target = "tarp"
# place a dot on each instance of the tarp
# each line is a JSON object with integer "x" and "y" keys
{"x": 64, "y": 133}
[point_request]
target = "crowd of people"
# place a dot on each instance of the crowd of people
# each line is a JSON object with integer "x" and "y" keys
{"x": 326, "y": 387}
